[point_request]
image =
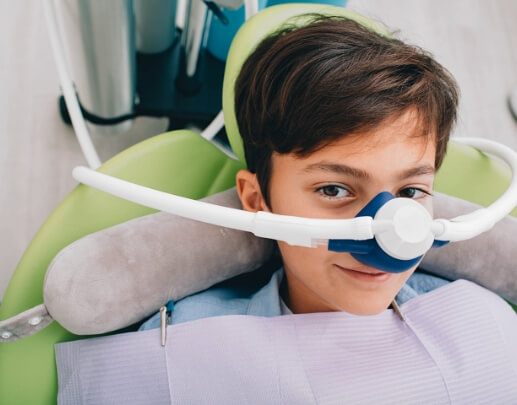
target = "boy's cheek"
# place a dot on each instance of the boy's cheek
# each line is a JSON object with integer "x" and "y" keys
{"x": 304, "y": 259}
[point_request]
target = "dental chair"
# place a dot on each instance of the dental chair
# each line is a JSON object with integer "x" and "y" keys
{"x": 183, "y": 163}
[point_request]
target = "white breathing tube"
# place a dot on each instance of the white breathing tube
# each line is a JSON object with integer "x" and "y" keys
{"x": 470, "y": 225}
{"x": 311, "y": 232}
{"x": 72, "y": 104}
{"x": 294, "y": 230}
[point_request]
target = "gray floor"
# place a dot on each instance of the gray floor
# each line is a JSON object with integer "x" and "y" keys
{"x": 475, "y": 40}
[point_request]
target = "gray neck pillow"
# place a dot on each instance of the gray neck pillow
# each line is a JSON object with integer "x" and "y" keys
{"x": 118, "y": 276}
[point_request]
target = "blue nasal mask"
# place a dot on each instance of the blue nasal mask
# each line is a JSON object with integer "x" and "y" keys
{"x": 369, "y": 252}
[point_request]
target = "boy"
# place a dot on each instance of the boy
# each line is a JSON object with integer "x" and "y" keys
{"x": 331, "y": 114}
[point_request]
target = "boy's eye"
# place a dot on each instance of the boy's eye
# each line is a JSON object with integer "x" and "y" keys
{"x": 336, "y": 192}
{"x": 333, "y": 191}
{"x": 411, "y": 192}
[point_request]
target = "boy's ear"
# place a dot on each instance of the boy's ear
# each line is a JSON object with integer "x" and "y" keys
{"x": 249, "y": 192}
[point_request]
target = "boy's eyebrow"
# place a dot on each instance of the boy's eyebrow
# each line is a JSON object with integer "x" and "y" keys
{"x": 340, "y": 168}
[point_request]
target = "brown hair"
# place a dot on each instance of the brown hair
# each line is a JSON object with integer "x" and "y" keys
{"x": 304, "y": 87}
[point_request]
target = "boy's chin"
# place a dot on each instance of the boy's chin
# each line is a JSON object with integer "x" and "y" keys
{"x": 375, "y": 308}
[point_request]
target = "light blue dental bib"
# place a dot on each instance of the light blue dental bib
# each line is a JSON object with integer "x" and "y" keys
{"x": 457, "y": 345}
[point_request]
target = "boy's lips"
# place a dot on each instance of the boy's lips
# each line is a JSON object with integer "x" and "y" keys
{"x": 374, "y": 272}
{"x": 365, "y": 274}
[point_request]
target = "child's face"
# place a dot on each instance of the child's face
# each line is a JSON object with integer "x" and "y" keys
{"x": 323, "y": 185}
